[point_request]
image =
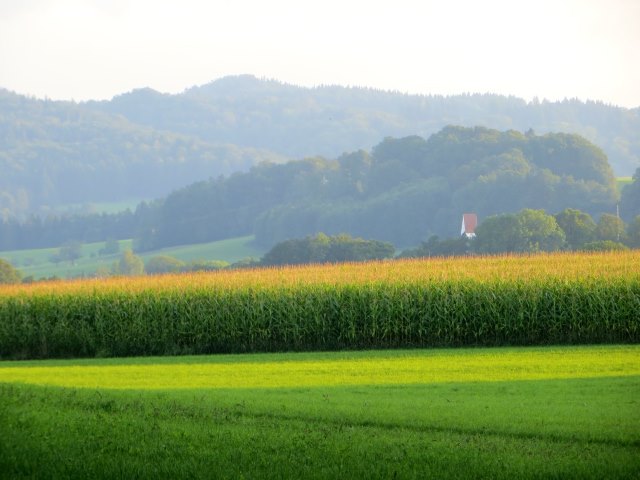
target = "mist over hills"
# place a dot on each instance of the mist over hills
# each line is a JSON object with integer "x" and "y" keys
{"x": 144, "y": 144}
{"x": 55, "y": 153}
{"x": 330, "y": 120}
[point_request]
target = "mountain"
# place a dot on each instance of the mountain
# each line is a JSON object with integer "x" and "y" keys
{"x": 328, "y": 120}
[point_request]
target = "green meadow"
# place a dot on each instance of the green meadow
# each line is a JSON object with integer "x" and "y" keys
{"x": 230, "y": 250}
{"x": 552, "y": 412}
{"x": 37, "y": 262}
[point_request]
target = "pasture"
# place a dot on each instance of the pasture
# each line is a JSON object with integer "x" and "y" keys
{"x": 38, "y": 263}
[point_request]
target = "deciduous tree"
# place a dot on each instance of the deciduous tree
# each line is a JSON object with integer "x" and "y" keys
{"x": 130, "y": 264}
{"x": 8, "y": 274}
{"x": 578, "y": 227}
{"x": 164, "y": 264}
{"x": 526, "y": 231}
{"x": 610, "y": 227}
{"x": 633, "y": 233}
{"x": 630, "y": 198}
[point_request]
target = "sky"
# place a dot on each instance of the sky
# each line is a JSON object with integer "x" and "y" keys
{"x": 549, "y": 49}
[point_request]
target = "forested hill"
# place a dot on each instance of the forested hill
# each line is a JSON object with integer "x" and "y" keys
{"x": 144, "y": 144}
{"x": 402, "y": 191}
{"x": 299, "y": 122}
{"x": 57, "y": 153}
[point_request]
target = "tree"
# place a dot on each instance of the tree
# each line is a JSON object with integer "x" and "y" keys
{"x": 246, "y": 262}
{"x": 322, "y": 248}
{"x": 630, "y": 198}
{"x": 8, "y": 274}
{"x": 498, "y": 233}
{"x": 317, "y": 247}
{"x": 130, "y": 264}
{"x": 289, "y": 252}
{"x": 539, "y": 232}
{"x": 633, "y": 233}
{"x": 70, "y": 251}
{"x": 164, "y": 264}
{"x": 604, "y": 246}
{"x": 344, "y": 248}
{"x": 206, "y": 265}
{"x": 434, "y": 246}
{"x": 578, "y": 227}
{"x": 526, "y": 231}
{"x": 610, "y": 227}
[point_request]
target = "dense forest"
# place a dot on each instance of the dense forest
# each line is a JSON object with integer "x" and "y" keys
{"x": 53, "y": 154}
{"x": 143, "y": 144}
{"x": 403, "y": 191}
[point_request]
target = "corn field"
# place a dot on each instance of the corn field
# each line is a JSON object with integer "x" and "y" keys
{"x": 477, "y": 301}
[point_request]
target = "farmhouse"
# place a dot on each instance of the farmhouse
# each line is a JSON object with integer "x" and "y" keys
{"x": 469, "y": 223}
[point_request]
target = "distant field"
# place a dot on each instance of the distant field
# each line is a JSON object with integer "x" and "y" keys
{"x": 37, "y": 262}
{"x": 230, "y": 250}
{"x": 101, "y": 207}
{"x": 556, "y": 412}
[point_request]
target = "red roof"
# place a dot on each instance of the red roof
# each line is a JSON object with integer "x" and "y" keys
{"x": 469, "y": 223}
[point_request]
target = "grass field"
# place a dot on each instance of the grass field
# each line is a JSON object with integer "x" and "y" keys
{"x": 36, "y": 262}
{"x": 555, "y": 412}
{"x": 102, "y": 207}
{"x": 230, "y": 250}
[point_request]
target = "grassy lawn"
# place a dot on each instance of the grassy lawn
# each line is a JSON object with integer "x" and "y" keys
{"x": 570, "y": 412}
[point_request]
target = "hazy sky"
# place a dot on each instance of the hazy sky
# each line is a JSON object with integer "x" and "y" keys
{"x": 94, "y": 49}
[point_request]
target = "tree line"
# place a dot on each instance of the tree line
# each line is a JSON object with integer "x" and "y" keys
{"x": 532, "y": 231}
{"x": 318, "y": 248}
{"x": 527, "y": 231}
